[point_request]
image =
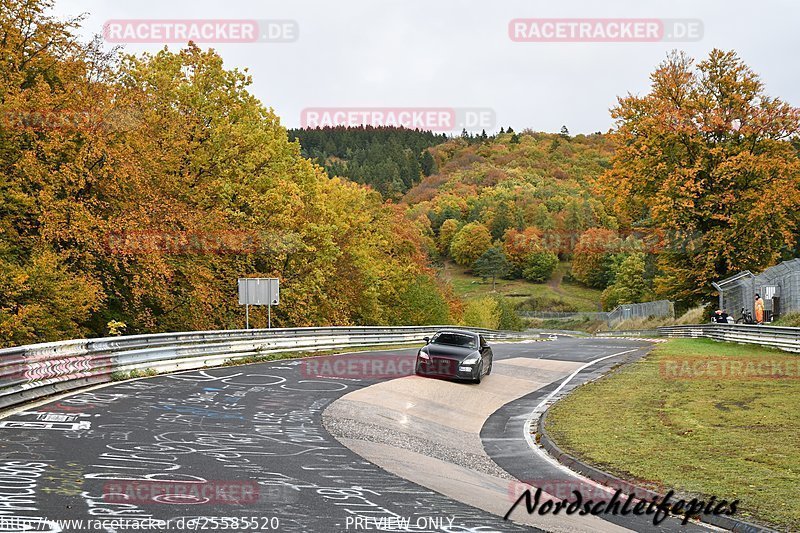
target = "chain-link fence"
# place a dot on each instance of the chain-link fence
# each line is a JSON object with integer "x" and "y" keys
{"x": 565, "y": 315}
{"x": 778, "y": 286}
{"x": 657, "y": 309}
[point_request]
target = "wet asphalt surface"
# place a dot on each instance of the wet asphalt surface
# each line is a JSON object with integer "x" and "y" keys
{"x": 502, "y": 432}
{"x": 243, "y": 449}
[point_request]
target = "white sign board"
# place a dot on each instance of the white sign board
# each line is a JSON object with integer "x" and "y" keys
{"x": 259, "y": 291}
{"x": 768, "y": 292}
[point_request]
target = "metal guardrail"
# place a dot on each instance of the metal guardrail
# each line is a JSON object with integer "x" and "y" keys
{"x": 787, "y": 339}
{"x": 34, "y": 371}
{"x": 629, "y": 333}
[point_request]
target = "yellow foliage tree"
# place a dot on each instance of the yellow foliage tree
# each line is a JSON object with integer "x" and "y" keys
{"x": 470, "y": 243}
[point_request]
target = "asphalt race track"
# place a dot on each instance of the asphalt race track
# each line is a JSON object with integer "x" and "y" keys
{"x": 244, "y": 448}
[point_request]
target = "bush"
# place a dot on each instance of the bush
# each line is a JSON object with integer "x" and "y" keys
{"x": 482, "y": 313}
{"x": 547, "y": 303}
{"x": 593, "y": 262}
{"x": 421, "y": 303}
{"x": 540, "y": 266}
{"x": 509, "y": 318}
{"x": 446, "y": 233}
{"x": 789, "y": 320}
{"x": 115, "y": 327}
{"x": 630, "y": 284}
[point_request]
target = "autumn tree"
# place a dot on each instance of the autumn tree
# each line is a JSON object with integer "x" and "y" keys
{"x": 518, "y": 245}
{"x": 137, "y": 188}
{"x": 42, "y": 301}
{"x": 446, "y": 233}
{"x": 470, "y": 243}
{"x": 593, "y": 261}
{"x": 630, "y": 283}
{"x": 445, "y": 207}
{"x": 421, "y": 302}
{"x": 706, "y": 158}
{"x": 509, "y": 318}
{"x": 539, "y": 266}
{"x": 52, "y": 97}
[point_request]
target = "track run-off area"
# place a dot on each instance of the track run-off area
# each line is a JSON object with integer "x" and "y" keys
{"x": 321, "y": 444}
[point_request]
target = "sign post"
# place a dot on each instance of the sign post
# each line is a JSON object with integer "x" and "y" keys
{"x": 259, "y": 291}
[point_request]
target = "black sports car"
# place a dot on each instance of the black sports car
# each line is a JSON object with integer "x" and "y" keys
{"x": 455, "y": 353}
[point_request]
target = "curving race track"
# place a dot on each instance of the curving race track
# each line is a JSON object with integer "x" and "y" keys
{"x": 318, "y": 444}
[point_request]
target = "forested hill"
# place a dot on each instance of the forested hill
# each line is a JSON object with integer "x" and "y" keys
{"x": 516, "y": 180}
{"x": 513, "y": 204}
{"x": 389, "y": 159}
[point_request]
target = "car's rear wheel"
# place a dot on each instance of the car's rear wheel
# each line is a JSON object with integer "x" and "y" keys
{"x": 491, "y": 363}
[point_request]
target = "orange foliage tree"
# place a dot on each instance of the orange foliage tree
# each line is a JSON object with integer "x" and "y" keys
{"x": 518, "y": 245}
{"x": 706, "y": 158}
{"x": 592, "y": 262}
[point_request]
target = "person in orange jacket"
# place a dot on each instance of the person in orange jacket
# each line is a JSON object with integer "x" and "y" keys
{"x": 759, "y": 310}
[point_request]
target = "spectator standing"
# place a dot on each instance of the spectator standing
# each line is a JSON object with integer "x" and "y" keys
{"x": 759, "y": 307}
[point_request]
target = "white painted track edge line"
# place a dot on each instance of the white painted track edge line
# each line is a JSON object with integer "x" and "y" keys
{"x": 542, "y": 453}
{"x": 575, "y": 373}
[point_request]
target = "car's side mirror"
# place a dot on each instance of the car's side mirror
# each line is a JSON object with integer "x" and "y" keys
{"x": 427, "y": 340}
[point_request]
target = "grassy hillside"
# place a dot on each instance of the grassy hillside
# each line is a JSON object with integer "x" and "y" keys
{"x": 556, "y": 295}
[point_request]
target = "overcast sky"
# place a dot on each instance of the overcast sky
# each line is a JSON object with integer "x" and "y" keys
{"x": 458, "y": 53}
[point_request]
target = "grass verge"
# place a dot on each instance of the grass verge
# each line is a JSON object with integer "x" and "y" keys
{"x": 735, "y": 437}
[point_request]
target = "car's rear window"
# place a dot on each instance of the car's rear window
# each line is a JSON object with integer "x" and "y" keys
{"x": 455, "y": 339}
